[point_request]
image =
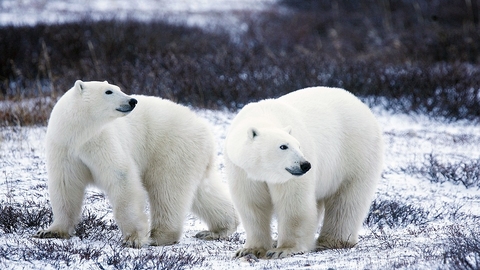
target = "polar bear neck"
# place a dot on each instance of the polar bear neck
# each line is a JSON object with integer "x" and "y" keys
{"x": 75, "y": 123}
{"x": 77, "y": 131}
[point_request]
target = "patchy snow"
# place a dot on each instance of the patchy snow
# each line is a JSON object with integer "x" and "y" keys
{"x": 408, "y": 139}
{"x": 198, "y": 12}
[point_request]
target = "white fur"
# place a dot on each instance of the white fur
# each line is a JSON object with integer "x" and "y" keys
{"x": 160, "y": 148}
{"x": 338, "y": 135}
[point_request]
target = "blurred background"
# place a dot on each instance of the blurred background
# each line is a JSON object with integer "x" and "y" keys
{"x": 413, "y": 56}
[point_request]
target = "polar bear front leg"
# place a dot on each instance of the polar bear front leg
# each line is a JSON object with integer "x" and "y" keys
{"x": 67, "y": 180}
{"x": 254, "y": 206}
{"x": 256, "y": 214}
{"x": 296, "y": 211}
{"x": 345, "y": 212}
{"x": 127, "y": 196}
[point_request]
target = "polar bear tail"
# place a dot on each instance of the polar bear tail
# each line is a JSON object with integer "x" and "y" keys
{"x": 213, "y": 205}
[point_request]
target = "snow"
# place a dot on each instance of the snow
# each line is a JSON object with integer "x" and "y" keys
{"x": 408, "y": 139}
{"x": 199, "y": 12}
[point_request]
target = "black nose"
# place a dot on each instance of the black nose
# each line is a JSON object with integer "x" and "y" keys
{"x": 305, "y": 166}
{"x": 132, "y": 102}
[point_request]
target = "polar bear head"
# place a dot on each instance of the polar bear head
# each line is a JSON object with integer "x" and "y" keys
{"x": 102, "y": 98}
{"x": 271, "y": 154}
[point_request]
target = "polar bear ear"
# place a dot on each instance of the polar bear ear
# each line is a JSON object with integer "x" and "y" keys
{"x": 252, "y": 133}
{"x": 288, "y": 129}
{"x": 105, "y": 81}
{"x": 79, "y": 85}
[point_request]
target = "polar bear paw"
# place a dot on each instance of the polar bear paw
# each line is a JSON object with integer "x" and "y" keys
{"x": 51, "y": 234}
{"x": 324, "y": 244}
{"x": 279, "y": 253}
{"x": 135, "y": 241}
{"x": 209, "y": 235}
{"x": 163, "y": 238}
{"x": 257, "y": 252}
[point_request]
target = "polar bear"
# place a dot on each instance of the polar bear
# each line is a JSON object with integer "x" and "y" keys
{"x": 311, "y": 153}
{"x": 98, "y": 135}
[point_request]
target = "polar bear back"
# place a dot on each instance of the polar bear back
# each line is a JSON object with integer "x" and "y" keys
{"x": 162, "y": 133}
{"x": 336, "y": 104}
{"x": 346, "y": 135}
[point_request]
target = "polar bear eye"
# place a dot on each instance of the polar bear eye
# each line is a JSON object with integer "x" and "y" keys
{"x": 108, "y": 92}
{"x": 283, "y": 147}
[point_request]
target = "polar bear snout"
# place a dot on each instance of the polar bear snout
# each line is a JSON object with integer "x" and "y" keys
{"x": 128, "y": 108}
{"x": 301, "y": 169}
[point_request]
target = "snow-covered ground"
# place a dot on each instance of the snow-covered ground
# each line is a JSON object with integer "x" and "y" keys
{"x": 409, "y": 139}
{"x": 434, "y": 211}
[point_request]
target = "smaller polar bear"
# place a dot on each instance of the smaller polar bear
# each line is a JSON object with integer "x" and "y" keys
{"x": 98, "y": 135}
{"x": 317, "y": 151}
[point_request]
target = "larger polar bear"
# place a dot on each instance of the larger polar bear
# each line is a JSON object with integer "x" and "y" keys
{"x": 99, "y": 135}
{"x": 313, "y": 152}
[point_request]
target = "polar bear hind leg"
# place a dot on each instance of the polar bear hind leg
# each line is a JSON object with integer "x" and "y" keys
{"x": 170, "y": 195}
{"x": 213, "y": 205}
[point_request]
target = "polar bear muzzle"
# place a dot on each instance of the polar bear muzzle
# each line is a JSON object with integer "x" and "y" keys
{"x": 301, "y": 169}
{"x": 128, "y": 108}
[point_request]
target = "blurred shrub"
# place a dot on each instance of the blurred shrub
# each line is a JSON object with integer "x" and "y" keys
{"x": 29, "y": 216}
{"x": 463, "y": 172}
{"x": 395, "y": 214}
{"x": 462, "y": 250}
{"x": 416, "y": 56}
